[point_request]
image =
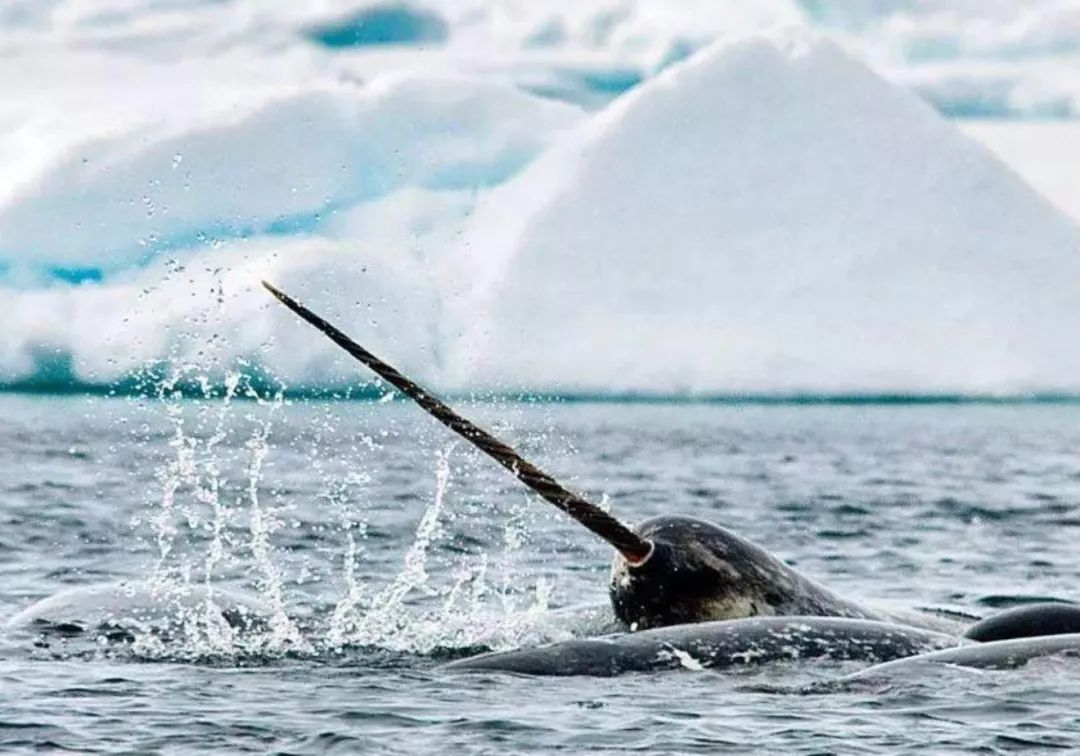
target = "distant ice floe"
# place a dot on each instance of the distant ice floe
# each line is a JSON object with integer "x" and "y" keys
{"x": 766, "y": 216}
{"x": 968, "y": 58}
{"x": 589, "y": 52}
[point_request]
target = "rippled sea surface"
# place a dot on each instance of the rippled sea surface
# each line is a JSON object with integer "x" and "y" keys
{"x": 385, "y": 548}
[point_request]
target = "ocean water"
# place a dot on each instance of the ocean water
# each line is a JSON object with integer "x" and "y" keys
{"x": 382, "y": 548}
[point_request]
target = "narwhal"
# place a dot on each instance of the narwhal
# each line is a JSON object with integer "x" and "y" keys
{"x": 669, "y": 570}
{"x": 697, "y": 594}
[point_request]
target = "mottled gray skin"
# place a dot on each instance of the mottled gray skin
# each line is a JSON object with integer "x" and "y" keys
{"x": 1027, "y": 621}
{"x": 717, "y": 646}
{"x": 700, "y": 572}
{"x": 1004, "y": 654}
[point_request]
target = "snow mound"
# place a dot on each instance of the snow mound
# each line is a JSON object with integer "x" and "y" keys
{"x": 282, "y": 167}
{"x": 141, "y": 241}
{"x": 770, "y": 216}
{"x": 204, "y": 314}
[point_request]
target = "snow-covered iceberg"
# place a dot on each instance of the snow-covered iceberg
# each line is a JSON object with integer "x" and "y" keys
{"x": 771, "y": 216}
{"x": 145, "y": 242}
{"x": 767, "y": 216}
{"x": 279, "y": 167}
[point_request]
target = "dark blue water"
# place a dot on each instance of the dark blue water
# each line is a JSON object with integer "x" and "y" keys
{"x": 383, "y": 548}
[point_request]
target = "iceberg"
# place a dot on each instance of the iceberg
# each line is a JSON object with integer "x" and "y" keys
{"x": 142, "y": 246}
{"x": 770, "y": 217}
{"x": 282, "y": 167}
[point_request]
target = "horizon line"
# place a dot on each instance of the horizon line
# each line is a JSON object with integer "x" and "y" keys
{"x": 369, "y": 392}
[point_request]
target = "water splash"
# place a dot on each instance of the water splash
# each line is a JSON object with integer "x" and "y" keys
{"x": 263, "y": 523}
{"x": 219, "y": 633}
{"x": 387, "y": 622}
{"x": 197, "y": 525}
{"x": 419, "y": 611}
{"x": 221, "y": 521}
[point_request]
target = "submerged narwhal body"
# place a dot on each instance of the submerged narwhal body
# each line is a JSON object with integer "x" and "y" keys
{"x": 669, "y": 570}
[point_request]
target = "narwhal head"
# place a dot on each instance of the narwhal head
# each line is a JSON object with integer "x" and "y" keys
{"x": 695, "y": 572}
